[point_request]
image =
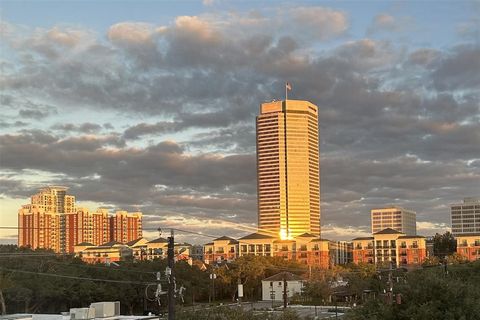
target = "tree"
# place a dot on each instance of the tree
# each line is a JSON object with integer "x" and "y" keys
{"x": 430, "y": 294}
{"x": 431, "y": 261}
{"x": 5, "y": 283}
{"x": 444, "y": 245}
{"x": 317, "y": 291}
{"x": 456, "y": 259}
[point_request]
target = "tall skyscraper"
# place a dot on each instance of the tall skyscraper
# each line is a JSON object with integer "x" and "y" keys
{"x": 288, "y": 168}
{"x": 396, "y": 218}
{"x": 466, "y": 217}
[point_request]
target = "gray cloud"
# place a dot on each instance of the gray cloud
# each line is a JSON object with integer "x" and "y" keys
{"x": 459, "y": 70}
{"x": 86, "y": 127}
{"x": 397, "y": 124}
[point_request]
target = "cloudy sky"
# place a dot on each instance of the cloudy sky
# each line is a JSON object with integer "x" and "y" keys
{"x": 151, "y": 106}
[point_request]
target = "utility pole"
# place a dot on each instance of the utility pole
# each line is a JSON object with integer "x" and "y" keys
{"x": 171, "y": 282}
{"x": 284, "y": 290}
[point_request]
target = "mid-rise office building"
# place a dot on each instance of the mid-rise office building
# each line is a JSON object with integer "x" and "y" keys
{"x": 288, "y": 169}
{"x": 466, "y": 217}
{"x": 396, "y": 218}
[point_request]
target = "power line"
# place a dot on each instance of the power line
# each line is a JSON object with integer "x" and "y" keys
{"x": 75, "y": 277}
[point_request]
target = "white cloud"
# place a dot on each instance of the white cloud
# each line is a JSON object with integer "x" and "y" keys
{"x": 430, "y": 228}
{"x": 131, "y": 32}
{"x": 320, "y": 22}
{"x": 208, "y": 2}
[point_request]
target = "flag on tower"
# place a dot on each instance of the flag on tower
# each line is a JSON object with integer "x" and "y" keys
{"x": 288, "y": 86}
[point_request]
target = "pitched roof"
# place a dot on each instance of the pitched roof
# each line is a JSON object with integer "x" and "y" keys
{"x": 307, "y": 235}
{"x": 256, "y": 235}
{"x": 283, "y": 241}
{"x": 133, "y": 242}
{"x": 158, "y": 240}
{"x": 109, "y": 244}
{"x": 363, "y": 238}
{"x": 85, "y": 244}
{"x": 410, "y": 237}
{"x": 208, "y": 244}
{"x": 288, "y": 276}
{"x": 388, "y": 231}
{"x": 224, "y": 238}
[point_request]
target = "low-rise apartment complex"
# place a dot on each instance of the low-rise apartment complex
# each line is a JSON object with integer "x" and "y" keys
{"x": 305, "y": 248}
{"x": 389, "y": 246}
{"x": 468, "y": 246}
{"x": 138, "y": 249}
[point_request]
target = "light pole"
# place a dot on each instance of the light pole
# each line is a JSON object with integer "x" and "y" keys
{"x": 272, "y": 293}
{"x": 213, "y": 276}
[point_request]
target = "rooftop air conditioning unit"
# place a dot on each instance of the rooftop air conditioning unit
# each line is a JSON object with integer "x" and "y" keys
{"x": 106, "y": 309}
{"x": 82, "y": 313}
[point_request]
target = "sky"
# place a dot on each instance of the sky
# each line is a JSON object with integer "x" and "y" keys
{"x": 151, "y": 105}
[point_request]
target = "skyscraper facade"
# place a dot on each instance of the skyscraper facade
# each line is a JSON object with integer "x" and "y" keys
{"x": 466, "y": 217}
{"x": 288, "y": 168}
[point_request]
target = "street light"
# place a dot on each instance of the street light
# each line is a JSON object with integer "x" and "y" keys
{"x": 272, "y": 293}
{"x": 213, "y": 276}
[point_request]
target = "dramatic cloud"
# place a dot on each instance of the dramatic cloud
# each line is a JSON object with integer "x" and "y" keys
{"x": 162, "y": 117}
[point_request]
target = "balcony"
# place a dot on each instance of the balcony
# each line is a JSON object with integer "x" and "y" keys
{"x": 413, "y": 246}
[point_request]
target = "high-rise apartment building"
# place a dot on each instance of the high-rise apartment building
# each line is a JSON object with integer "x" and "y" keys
{"x": 38, "y": 229}
{"x": 43, "y": 222}
{"x": 466, "y": 217}
{"x": 54, "y": 199}
{"x": 396, "y": 218}
{"x": 52, "y": 221}
{"x": 95, "y": 226}
{"x": 126, "y": 226}
{"x": 288, "y": 169}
